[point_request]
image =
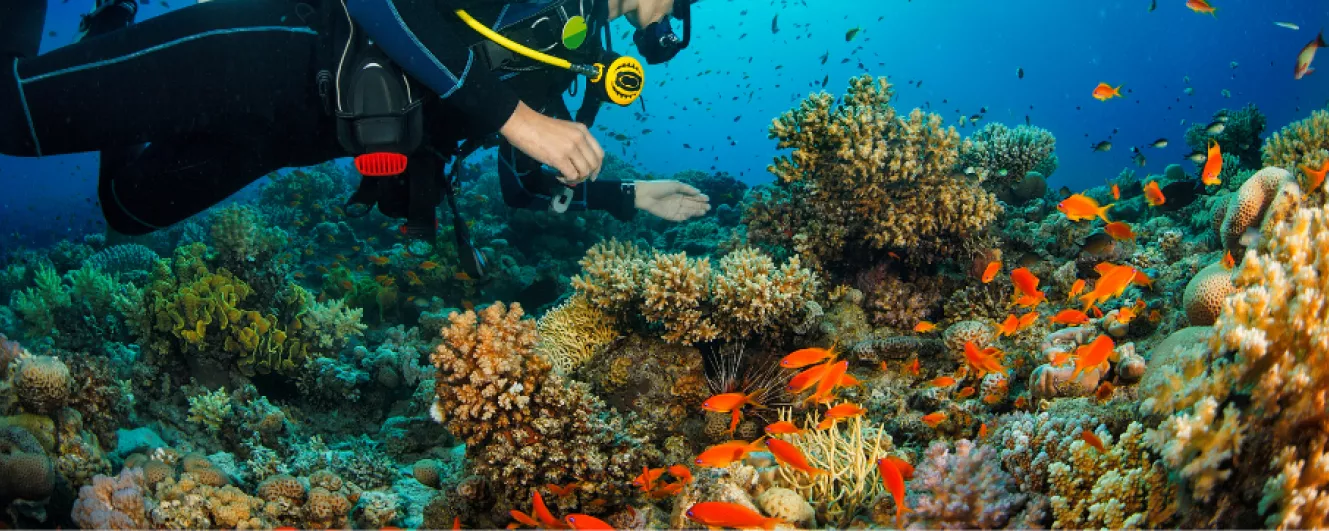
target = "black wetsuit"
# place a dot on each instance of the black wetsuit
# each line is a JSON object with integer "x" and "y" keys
{"x": 227, "y": 91}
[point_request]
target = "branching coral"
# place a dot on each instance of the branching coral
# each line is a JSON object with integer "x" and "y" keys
{"x": 1005, "y": 155}
{"x": 242, "y": 237}
{"x": 525, "y": 426}
{"x": 1300, "y": 143}
{"x": 330, "y": 325}
{"x": 848, "y": 452}
{"x": 964, "y": 489}
{"x": 861, "y": 178}
{"x": 747, "y": 296}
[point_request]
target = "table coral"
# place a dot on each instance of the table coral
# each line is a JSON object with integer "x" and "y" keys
{"x": 862, "y": 178}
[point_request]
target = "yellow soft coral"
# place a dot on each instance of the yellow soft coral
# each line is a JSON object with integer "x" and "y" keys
{"x": 861, "y": 176}
{"x": 575, "y": 332}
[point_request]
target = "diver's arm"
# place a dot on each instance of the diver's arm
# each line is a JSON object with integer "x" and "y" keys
{"x": 526, "y": 184}
{"x": 422, "y": 37}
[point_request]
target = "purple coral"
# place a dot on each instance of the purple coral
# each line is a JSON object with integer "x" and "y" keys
{"x": 963, "y": 489}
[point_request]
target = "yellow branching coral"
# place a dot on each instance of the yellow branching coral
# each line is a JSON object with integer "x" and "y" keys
{"x": 745, "y": 296}
{"x": 1121, "y": 487}
{"x": 1301, "y": 143}
{"x": 860, "y": 176}
{"x": 575, "y": 332}
{"x": 848, "y": 452}
{"x": 210, "y": 409}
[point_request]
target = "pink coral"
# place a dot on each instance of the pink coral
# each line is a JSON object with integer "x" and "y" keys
{"x": 964, "y": 489}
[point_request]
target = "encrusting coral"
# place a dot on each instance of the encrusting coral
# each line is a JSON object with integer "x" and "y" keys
{"x": 862, "y": 178}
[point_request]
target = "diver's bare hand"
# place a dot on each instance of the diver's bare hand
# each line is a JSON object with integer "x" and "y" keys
{"x": 671, "y": 200}
{"x": 567, "y": 146}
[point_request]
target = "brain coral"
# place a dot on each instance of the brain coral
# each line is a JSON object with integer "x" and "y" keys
{"x": 862, "y": 178}
{"x": 1204, "y": 295}
{"x": 26, "y": 472}
{"x": 1264, "y": 199}
{"x": 41, "y": 384}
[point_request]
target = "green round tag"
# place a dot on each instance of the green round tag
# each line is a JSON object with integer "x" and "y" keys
{"x": 574, "y": 33}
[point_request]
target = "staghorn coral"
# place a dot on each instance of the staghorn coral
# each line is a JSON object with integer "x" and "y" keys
{"x": 1299, "y": 143}
{"x": 524, "y": 425}
{"x": 746, "y": 296}
{"x": 575, "y": 332}
{"x": 861, "y": 178}
{"x": 1205, "y": 293}
{"x": 964, "y": 489}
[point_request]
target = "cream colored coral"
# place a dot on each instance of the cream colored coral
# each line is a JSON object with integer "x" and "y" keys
{"x": 1205, "y": 293}
{"x": 1192, "y": 444}
{"x": 848, "y": 452}
{"x": 675, "y": 288}
{"x": 1269, "y": 190}
{"x": 1175, "y": 379}
{"x": 575, "y": 332}
{"x": 787, "y": 505}
{"x": 210, "y": 409}
{"x": 753, "y": 295}
{"x": 1293, "y": 145}
{"x": 610, "y": 275}
{"x": 1119, "y": 488}
{"x": 959, "y": 333}
{"x": 41, "y": 383}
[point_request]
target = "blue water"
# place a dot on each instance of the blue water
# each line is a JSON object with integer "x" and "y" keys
{"x": 966, "y": 52}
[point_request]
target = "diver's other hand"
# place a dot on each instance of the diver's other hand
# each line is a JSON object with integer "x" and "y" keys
{"x": 567, "y": 146}
{"x": 671, "y": 200}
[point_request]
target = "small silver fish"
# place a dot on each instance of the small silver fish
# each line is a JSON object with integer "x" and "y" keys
{"x": 1287, "y": 25}
{"x": 1160, "y": 143}
{"x": 1102, "y": 146}
{"x": 1215, "y": 128}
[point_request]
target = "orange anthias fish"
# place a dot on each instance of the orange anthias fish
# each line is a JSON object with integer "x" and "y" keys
{"x": 783, "y": 427}
{"x": 563, "y": 490}
{"x": 723, "y": 454}
{"x": 724, "y": 403}
{"x": 1307, "y": 55}
{"x": 1025, "y": 281}
{"x": 1153, "y": 194}
{"x": 665, "y": 491}
{"x": 1314, "y": 177}
{"x": 906, "y": 469}
{"x": 1212, "y": 165}
{"x": 1080, "y": 207}
{"x": 1112, "y": 282}
{"x": 933, "y": 419}
{"x": 845, "y": 411}
{"x": 1104, "y": 92}
{"x": 828, "y": 382}
{"x": 991, "y": 271}
{"x": 1070, "y": 317}
{"x": 1060, "y": 358}
{"x": 429, "y": 265}
{"x": 1125, "y": 315}
{"x": 912, "y": 367}
{"x": 682, "y": 473}
{"x": 967, "y": 392}
{"x": 893, "y": 479}
{"x": 1009, "y": 326}
{"x": 1027, "y": 320}
{"x": 808, "y": 378}
{"x": 1092, "y": 355}
{"x": 725, "y": 514}
{"x": 520, "y": 517}
{"x": 647, "y": 479}
{"x": 942, "y": 381}
{"x": 787, "y": 454}
{"x": 803, "y": 357}
{"x": 1076, "y": 288}
{"x": 1119, "y": 230}
{"x": 380, "y": 260}
{"x": 924, "y": 327}
{"x": 1116, "y": 193}
{"x": 586, "y": 521}
{"x": 982, "y": 361}
{"x": 1093, "y": 440}
{"x": 1228, "y": 261}
{"x": 542, "y": 512}
{"x": 1201, "y": 6}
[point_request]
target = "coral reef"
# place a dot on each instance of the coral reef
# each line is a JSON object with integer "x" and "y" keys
{"x": 1240, "y": 136}
{"x": 1305, "y": 142}
{"x": 962, "y": 489}
{"x": 1006, "y": 156}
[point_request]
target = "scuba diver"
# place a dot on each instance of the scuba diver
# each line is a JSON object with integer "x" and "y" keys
{"x": 191, "y": 106}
